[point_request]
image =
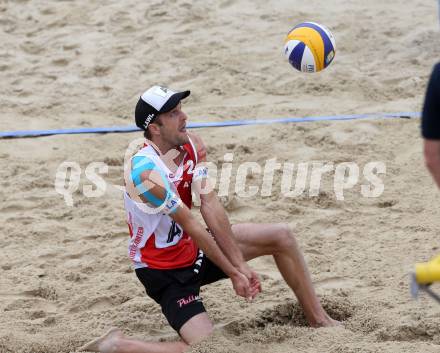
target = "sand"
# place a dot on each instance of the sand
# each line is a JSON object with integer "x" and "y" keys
{"x": 65, "y": 275}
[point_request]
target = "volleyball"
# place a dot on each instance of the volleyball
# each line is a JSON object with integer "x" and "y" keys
{"x": 309, "y": 47}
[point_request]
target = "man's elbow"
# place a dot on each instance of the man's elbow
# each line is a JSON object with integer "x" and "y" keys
{"x": 187, "y": 222}
{"x": 184, "y": 218}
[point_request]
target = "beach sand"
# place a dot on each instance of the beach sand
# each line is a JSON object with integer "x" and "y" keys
{"x": 65, "y": 274}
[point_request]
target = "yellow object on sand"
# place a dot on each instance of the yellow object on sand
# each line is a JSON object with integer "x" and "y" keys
{"x": 428, "y": 272}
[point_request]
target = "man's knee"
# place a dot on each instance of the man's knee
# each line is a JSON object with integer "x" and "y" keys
{"x": 285, "y": 239}
{"x": 196, "y": 329}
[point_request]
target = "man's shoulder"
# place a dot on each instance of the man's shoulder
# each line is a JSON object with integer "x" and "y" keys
{"x": 146, "y": 153}
{"x": 146, "y": 159}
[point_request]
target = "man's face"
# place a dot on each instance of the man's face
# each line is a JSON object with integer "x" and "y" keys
{"x": 173, "y": 129}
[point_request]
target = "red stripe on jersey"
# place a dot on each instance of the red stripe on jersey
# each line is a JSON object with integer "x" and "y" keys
{"x": 130, "y": 225}
{"x": 184, "y": 187}
{"x": 183, "y": 254}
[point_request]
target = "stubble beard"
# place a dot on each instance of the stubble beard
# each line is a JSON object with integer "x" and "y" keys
{"x": 181, "y": 140}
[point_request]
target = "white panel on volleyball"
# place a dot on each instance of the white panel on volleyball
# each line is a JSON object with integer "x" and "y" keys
{"x": 288, "y": 47}
{"x": 330, "y": 35}
{"x": 327, "y": 31}
{"x": 308, "y": 61}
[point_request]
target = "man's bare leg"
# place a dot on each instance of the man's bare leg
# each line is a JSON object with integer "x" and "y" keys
{"x": 114, "y": 341}
{"x": 256, "y": 240}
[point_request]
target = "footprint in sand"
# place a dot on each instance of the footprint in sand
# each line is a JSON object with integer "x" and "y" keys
{"x": 22, "y": 302}
{"x": 386, "y": 204}
{"x": 410, "y": 331}
{"x": 291, "y": 313}
{"x": 96, "y": 304}
{"x": 32, "y": 48}
{"x": 60, "y": 62}
{"x": 335, "y": 283}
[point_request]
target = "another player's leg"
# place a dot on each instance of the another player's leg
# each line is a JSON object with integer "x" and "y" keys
{"x": 114, "y": 341}
{"x": 193, "y": 331}
{"x": 278, "y": 240}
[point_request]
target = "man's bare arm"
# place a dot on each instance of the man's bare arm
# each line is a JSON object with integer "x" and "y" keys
{"x": 432, "y": 158}
{"x": 213, "y": 212}
{"x": 218, "y": 223}
{"x": 182, "y": 215}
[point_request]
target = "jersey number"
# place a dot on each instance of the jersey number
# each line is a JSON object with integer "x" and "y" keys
{"x": 175, "y": 231}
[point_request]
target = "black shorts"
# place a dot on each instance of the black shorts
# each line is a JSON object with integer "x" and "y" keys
{"x": 177, "y": 291}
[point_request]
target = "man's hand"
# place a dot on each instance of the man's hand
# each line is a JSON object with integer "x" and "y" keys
{"x": 241, "y": 285}
{"x": 253, "y": 278}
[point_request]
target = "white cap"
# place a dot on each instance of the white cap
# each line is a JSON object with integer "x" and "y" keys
{"x": 154, "y": 101}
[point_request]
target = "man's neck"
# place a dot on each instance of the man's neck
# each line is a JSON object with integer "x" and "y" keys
{"x": 162, "y": 146}
{"x": 170, "y": 155}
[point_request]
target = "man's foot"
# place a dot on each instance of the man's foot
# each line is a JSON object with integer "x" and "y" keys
{"x": 327, "y": 322}
{"x": 105, "y": 343}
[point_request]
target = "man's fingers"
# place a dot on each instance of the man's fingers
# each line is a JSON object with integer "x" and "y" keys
{"x": 246, "y": 287}
{"x": 255, "y": 283}
{"x": 242, "y": 287}
{"x": 248, "y": 292}
{"x": 254, "y": 293}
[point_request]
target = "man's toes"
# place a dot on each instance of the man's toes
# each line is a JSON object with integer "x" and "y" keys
{"x": 95, "y": 345}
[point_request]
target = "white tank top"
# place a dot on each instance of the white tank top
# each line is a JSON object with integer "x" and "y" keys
{"x": 156, "y": 241}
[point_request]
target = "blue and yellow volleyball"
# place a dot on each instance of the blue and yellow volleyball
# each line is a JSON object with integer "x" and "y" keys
{"x": 310, "y": 47}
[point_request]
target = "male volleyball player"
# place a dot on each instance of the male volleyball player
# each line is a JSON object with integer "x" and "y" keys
{"x": 431, "y": 125}
{"x": 431, "y": 131}
{"x": 174, "y": 254}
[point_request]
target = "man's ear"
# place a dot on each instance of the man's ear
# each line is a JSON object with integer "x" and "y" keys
{"x": 154, "y": 129}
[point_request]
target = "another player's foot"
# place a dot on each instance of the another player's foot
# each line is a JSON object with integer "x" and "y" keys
{"x": 105, "y": 343}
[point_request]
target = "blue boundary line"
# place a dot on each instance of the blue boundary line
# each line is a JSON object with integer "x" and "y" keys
{"x": 133, "y": 128}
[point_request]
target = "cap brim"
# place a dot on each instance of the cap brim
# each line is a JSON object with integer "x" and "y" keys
{"x": 174, "y": 100}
